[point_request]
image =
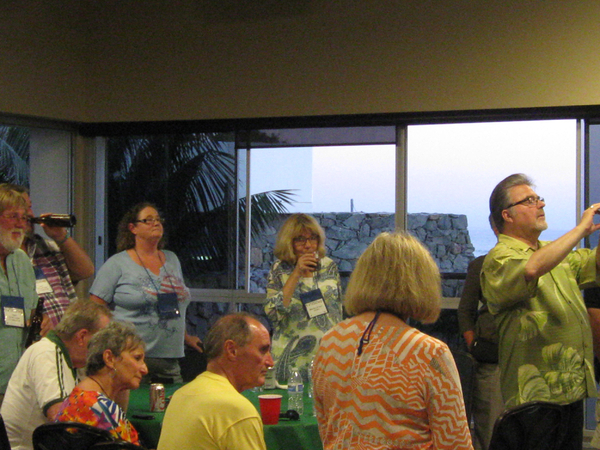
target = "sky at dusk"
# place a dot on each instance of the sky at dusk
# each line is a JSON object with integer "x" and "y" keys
{"x": 451, "y": 169}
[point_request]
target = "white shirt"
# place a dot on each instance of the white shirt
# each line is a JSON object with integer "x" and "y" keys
{"x": 42, "y": 378}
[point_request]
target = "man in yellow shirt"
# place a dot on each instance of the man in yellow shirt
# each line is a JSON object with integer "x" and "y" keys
{"x": 533, "y": 289}
{"x": 210, "y": 412}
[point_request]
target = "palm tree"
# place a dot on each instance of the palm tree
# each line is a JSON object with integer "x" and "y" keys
{"x": 14, "y": 155}
{"x": 192, "y": 179}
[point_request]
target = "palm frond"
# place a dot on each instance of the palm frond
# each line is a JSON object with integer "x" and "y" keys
{"x": 266, "y": 207}
{"x": 14, "y": 155}
{"x": 191, "y": 178}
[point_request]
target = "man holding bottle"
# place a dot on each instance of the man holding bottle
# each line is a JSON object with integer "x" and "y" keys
{"x": 59, "y": 263}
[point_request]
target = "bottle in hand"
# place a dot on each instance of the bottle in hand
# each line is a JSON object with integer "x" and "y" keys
{"x": 296, "y": 391}
{"x": 35, "y": 329}
{"x": 56, "y": 220}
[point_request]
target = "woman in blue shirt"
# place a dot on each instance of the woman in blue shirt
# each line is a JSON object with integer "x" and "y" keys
{"x": 143, "y": 284}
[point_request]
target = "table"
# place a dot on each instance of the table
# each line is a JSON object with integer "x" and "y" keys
{"x": 286, "y": 435}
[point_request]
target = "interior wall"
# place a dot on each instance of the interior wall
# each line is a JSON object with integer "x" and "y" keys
{"x": 42, "y": 70}
{"x": 202, "y": 59}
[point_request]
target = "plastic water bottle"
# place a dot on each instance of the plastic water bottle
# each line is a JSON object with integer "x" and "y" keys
{"x": 311, "y": 391}
{"x": 310, "y": 382}
{"x": 296, "y": 391}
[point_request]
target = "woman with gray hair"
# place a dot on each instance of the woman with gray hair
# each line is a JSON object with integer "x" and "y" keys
{"x": 378, "y": 382}
{"x": 115, "y": 364}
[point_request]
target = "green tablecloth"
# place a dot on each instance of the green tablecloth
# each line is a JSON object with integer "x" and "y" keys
{"x": 286, "y": 435}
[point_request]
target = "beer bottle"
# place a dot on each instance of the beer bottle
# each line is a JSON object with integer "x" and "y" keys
{"x": 35, "y": 329}
{"x": 56, "y": 220}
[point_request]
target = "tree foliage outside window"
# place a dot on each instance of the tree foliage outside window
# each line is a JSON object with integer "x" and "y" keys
{"x": 193, "y": 180}
{"x": 14, "y": 155}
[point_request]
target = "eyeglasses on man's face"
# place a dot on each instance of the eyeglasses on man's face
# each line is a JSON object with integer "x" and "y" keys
{"x": 151, "y": 220}
{"x": 530, "y": 201}
{"x": 302, "y": 239}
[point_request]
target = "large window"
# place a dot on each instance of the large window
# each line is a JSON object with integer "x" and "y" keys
{"x": 454, "y": 168}
{"x": 14, "y": 155}
{"x": 40, "y": 159}
{"x": 348, "y": 189}
{"x": 347, "y": 178}
{"x": 592, "y": 174}
{"x": 193, "y": 180}
{"x": 201, "y": 182}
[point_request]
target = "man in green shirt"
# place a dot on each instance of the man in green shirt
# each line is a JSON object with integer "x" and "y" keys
{"x": 533, "y": 289}
{"x": 17, "y": 283}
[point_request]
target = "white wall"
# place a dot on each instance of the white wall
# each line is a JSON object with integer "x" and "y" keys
{"x": 200, "y": 59}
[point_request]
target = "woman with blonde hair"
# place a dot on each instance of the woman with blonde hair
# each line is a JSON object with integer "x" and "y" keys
{"x": 379, "y": 383}
{"x": 303, "y": 295}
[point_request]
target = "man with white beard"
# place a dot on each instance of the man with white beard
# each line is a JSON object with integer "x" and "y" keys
{"x": 17, "y": 282}
{"x": 58, "y": 263}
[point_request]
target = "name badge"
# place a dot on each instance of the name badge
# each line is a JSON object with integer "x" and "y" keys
{"x": 314, "y": 303}
{"x": 41, "y": 283}
{"x": 13, "y": 311}
{"x": 43, "y": 287}
{"x": 168, "y": 306}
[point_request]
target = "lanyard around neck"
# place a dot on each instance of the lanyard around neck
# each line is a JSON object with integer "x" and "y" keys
{"x": 366, "y": 337}
{"x": 14, "y": 269}
{"x": 150, "y": 276}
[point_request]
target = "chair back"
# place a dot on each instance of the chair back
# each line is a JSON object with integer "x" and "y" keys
{"x": 4, "y": 442}
{"x": 530, "y": 426}
{"x": 466, "y": 364}
{"x": 68, "y": 436}
{"x": 116, "y": 445}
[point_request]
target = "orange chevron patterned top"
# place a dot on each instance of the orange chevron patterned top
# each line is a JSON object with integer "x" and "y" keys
{"x": 403, "y": 392}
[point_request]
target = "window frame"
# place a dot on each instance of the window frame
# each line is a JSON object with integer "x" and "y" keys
{"x": 244, "y": 128}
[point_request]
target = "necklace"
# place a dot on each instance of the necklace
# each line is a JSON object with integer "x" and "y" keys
{"x": 98, "y": 383}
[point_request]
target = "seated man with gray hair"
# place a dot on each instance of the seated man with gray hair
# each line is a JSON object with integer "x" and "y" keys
{"x": 46, "y": 373}
{"x": 210, "y": 412}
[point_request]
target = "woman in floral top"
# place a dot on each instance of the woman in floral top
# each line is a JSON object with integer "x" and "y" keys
{"x": 303, "y": 295}
{"x": 115, "y": 364}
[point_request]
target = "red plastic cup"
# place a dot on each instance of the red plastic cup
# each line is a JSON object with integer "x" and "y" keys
{"x": 270, "y": 405}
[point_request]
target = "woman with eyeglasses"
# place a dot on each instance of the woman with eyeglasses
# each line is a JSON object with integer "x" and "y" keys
{"x": 303, "y": 295}
{"x": 143, "y": 284}
{"x": 378, "y": 382}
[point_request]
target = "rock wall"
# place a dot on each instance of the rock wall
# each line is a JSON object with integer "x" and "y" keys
{"x": 349, "y": 234}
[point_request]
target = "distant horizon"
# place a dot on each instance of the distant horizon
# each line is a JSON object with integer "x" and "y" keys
{"x": 451, "y": 169}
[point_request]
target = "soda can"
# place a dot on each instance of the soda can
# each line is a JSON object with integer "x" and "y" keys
{"x": 157, "y": 397}
{"x": 270, "y": 381}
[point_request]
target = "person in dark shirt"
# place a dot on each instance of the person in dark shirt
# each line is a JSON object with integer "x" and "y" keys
{"x": 479, "y": 330}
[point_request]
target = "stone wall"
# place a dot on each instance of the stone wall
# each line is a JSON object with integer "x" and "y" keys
{"x": 348, "y": 235}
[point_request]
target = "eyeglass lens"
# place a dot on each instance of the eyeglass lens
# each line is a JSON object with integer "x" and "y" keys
{"x": 303, "y": 239}
{"x": 151, "y": 220}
